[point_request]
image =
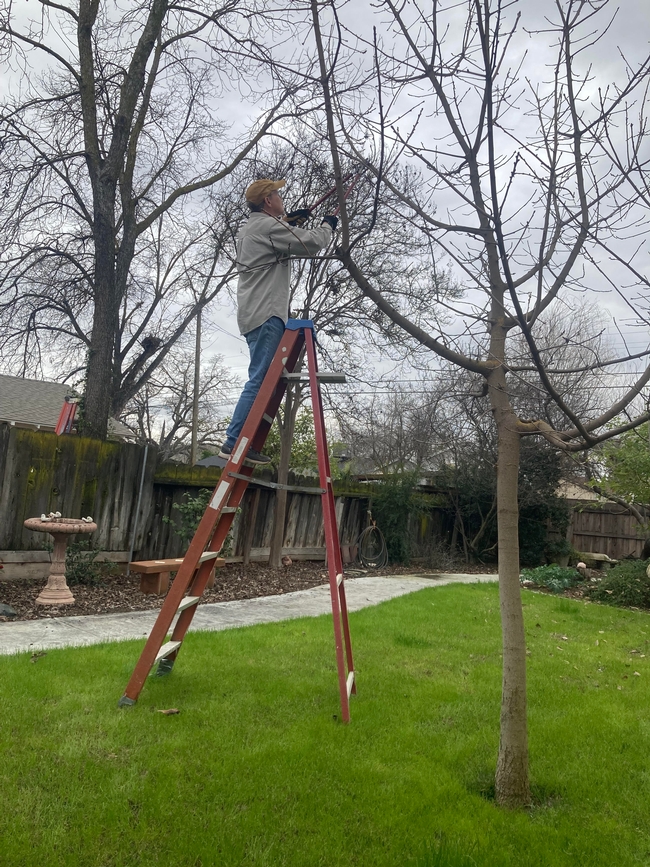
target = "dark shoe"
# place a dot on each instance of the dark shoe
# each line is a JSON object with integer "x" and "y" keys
{"x": 225, "y": 451}
{"x": 253, "y": 457}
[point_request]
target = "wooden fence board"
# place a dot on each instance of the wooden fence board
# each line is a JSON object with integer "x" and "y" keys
{"x": 606, "y": 529}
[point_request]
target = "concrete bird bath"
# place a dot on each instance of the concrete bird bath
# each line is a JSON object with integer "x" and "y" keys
{"x": 56, "y": 591}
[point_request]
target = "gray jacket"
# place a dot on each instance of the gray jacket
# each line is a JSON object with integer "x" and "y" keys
{"x": 264, "y": 248}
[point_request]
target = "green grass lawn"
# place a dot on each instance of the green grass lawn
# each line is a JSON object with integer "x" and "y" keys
{"x": 257, "y": 769}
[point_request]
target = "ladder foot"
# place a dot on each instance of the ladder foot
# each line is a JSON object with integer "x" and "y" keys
{"x": 164, "y": 667}
{"x": 125, "y": 701}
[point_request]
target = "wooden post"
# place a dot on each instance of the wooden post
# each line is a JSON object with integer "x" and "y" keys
{"x": 250, "y": 530}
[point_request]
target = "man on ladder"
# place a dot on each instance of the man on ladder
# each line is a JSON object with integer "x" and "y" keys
{"x": 265, "y": 246}
{"x": 275, "y": 351}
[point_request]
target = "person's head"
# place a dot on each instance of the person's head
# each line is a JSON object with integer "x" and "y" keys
{"x": 263, "y": 196}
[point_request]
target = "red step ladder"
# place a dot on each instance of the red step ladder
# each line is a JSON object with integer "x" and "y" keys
{"x": 193, "y": 574}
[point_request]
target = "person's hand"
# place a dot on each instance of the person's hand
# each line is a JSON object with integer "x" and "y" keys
{"x": 331, "y": 221}
{"x": 299, "y": 217}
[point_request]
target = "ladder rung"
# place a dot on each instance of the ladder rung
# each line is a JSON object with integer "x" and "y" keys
{"x": 208, "y": 555}
{"x": 339, "y": 580}
{"x": 166, "y": 649}
{"x": 187, "y": 602}
{"x": 350, "y": 683}
{"x": 321, "y": 376}
{"x": 228, "y": 510}
{"x": 267, "y": 418}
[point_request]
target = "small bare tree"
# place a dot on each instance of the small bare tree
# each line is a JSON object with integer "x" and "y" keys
{"x": 531, "y": 194}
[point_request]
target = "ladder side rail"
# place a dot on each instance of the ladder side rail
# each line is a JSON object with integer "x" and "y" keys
{"x": 334, "y": 556}
{"x": 329, "y": 521}
{"x": 346, "y": 633}
{"x": 183, "y": 580}
{"x": 338, "y": 558}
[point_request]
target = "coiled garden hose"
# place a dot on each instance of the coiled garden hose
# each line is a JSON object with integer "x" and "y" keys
{"x": 372, "y": 550}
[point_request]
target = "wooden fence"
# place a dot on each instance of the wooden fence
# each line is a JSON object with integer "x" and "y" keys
{"x": 304, "y": 534}
{"x": 606, "y": 529}
{"x": 40, "y": 472}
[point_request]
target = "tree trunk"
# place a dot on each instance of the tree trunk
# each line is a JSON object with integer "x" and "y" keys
{"x": 511, "y": 783}
{"x": 101, "y": 356}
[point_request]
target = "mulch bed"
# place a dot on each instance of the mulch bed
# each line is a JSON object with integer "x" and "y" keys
{"x": 117, "y": 593}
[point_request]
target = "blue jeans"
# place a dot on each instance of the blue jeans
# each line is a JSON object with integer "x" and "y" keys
{"x": 262, "y": 344}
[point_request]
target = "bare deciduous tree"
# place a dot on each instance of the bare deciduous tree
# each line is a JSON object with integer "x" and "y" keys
{"x": 118, "y": 125}
{"x": 161, "y": 411}
{"x": 529, "y": 196}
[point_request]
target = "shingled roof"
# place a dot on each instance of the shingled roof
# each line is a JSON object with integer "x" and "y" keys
{"x": 34, "y": 403}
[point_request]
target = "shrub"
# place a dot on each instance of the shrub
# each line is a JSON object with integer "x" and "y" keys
{"x": 555, "y": 578}
{"x": 559, "y": 548}
{"x": 471, "y": 482}
{"x": 190, "y": 514}
{"x": 392, "y": 502}
{"x": 625, "y": 585}
{"x": 81, "y": 566}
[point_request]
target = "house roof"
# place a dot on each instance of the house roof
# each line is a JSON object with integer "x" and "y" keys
{"x": 211, "y": 461}
{"x": 35, "y": 403}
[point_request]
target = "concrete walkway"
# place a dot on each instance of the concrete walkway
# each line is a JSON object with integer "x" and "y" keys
{"x": 28, "y": 635}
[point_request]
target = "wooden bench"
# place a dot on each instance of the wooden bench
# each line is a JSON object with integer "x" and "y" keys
{"x": 154, "y": 574}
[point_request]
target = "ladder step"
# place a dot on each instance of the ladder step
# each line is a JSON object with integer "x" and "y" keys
{"x": 208, "y": 555}
{"x": 350, "y": 682}
{"x": 228, "y": 510}
{"x": 166, "y": 649}
{"x": 321, "y": 376}
{"x": 187, "y": 602}
{"x": 339, "y": 580}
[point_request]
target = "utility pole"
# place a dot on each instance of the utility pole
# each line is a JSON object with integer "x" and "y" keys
{"x": 195, "y": 397}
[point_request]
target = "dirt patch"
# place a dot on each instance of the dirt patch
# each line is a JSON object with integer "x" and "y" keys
{"x": 119, "y": 593}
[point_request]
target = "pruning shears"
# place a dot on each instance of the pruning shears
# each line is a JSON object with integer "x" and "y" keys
{"x": 355, "y": 177}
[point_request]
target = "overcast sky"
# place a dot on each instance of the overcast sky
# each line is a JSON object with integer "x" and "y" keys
{"x": 630, "y": 30}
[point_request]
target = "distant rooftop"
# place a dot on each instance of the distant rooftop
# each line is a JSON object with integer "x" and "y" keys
{"x": 36, "y": 404}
